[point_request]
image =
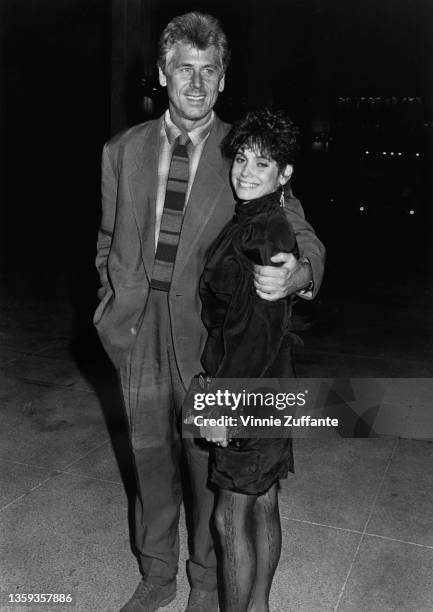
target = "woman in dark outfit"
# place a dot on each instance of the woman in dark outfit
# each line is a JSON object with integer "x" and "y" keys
{"x": 249, "y": 337}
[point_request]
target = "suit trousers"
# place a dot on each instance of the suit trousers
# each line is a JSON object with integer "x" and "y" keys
{"x": 153, "y": 394}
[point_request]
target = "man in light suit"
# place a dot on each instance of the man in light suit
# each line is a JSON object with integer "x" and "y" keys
{"x": 149, "y": 315}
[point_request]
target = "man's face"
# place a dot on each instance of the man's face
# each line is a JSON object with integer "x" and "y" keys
{"x": 193, "y": 79}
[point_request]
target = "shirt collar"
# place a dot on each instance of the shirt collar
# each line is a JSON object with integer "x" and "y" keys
{"x": 197, "y": 135}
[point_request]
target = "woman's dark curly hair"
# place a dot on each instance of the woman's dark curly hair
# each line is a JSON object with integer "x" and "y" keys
{"x": 270, "y": 132}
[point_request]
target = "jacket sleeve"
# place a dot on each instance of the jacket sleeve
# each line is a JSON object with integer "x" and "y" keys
{"x": 105, "y": 233}
{"x": 310, "y": 247}
{"x": 254, "y": 328}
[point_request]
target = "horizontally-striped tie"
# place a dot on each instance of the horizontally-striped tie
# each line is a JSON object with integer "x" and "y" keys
{"x": 172, "y": 216}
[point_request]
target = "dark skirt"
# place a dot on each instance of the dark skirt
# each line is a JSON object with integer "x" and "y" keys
{"x": 251, "y": 465}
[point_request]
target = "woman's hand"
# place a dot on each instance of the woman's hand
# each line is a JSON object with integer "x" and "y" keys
{"x": 215, "y": 433}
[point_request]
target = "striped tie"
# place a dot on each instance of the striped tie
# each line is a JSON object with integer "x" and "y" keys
{"x": 172, "y": 216}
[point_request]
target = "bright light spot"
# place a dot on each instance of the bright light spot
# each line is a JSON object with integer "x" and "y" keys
{"x": 392, "y": 153}
{"x": 367, "y": 152}
{"x": 416, "y": 154}
{"x": 411, "y": 212}
{"x": 383, "y": 152}
{"x": 361, "y": 208}
{"x": 399, "y": 153}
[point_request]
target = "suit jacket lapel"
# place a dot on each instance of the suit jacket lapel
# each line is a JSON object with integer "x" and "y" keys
{"x": 211, "y": 179}
{"x": 143, "y": 183}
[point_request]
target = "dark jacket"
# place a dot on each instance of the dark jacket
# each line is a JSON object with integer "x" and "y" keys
{"x": 245, "y": 331}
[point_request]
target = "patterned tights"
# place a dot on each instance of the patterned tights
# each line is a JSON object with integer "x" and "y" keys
{"x": 250, "y": 536}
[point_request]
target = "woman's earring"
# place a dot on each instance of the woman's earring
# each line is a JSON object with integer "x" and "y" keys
{"x": 282, "y": 197}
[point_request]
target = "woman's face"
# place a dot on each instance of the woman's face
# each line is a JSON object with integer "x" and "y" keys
{"x": 253, "y": 175}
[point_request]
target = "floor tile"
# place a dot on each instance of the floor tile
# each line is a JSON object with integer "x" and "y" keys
{"x": 411, "y": 368}
{"x": 44, "y": 369}
{"x": 34, "y": 333}
{"x": 72, "y": 534}
{"x": 389, "y": 576}
{"x": 404, "y": 509}
{"x": 58, "y": 350}
{"x": 17, "y": 479}
{"x": 27, "y": 342}
{"x": 107, "y": 463}
{"x": 30, "y": 322}
{"x": 371, "y": 328}
{"x": 364, "y": 407}
{"x": 397, "y": 406}
{"x": 336, "y": 364}
{"x": 326, "y": 363}
{"x": 419, "y": 424}
{"x": 335, "y": 481}
{"x": 314, "y": 564}
{"x": 8, "y": 355}
{"x": 48, "y": 426}
{"x": 84, "y": 374}
{"x": 385, "y": 340}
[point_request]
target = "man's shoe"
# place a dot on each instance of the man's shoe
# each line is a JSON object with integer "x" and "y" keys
{"x": 202, "y": 601}
{"x": 149, "y": 597}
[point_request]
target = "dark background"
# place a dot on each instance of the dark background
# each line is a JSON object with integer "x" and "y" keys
{"x": 356, "y": 77}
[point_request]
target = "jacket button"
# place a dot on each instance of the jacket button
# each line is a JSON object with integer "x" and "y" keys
{"x": 133, "y": 331}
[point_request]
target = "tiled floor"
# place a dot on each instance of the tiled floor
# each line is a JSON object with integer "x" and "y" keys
{"x": 357, "y": 517}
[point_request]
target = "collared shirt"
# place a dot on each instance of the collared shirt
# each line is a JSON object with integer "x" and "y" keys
{"x": 169, "y": 133}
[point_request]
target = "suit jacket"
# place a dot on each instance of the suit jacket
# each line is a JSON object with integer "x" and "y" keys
{"x": 126, "y": 241}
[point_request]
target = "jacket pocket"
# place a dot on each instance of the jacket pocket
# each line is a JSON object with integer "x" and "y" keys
{"x": 102, "y": 306}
